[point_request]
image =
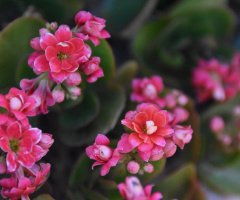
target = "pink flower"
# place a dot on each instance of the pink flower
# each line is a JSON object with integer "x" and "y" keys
{"x": 21, "y": 145}
{"x": 103, "y": 154}
{"x": 18, "y": 106}
{"x": 133, "y": 167}
{"x": 147, "y": 90}
{"x": 58, "y": 54}
{"x": 217, "y": 124}
{"x": 133, "y": 190}
{"x": 92, "y": 70}
{"x": 149, "y": 124}
{"x": 90, "y": 27}
{"x": 214, "y": 80}
{"x": 39, "y": 89}
{"x": 19, "y": 186}
{"x": 182, "y": 135}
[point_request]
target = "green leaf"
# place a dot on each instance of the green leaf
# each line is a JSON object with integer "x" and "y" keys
{"x": 127, "y": 72}
{"x": 92, "y": 195}
{"x": 178, "y": 184}
{"x": 82, "y": 172}
{"x": 112, "y": 100}
{"x": 24, "y": 70}
{"x": 104, "y": 51}
{"x": 14, "y": 45}
{"x": 82, "y": 114}
{"x": 222, "y": 179}
{"x": 44, "y": 197}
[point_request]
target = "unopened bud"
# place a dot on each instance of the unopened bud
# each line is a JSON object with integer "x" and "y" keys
{"x": 217, "y": 124}
{"x": 148, "y": 168}
{"x": 133, "y": 167}
{"x": 58, "y": 94}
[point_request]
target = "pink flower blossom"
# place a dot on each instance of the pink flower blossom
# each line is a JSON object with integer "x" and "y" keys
{"x": 147, "y": 90}
{"x": 21, "y": 145}
{"x": 19, "y": 186}
{"x": 18, "y": 105}
{"x": 103, "y": 154}
{"x": 39, "y": 89}
{"x": 92, "y": 69}
{"x": 211, "y": 79}
{"x": 90, "y": 27}
{"x": 133, "y": 190}
{"x": 217, "y": 124}
{"x": 58, "y": 54}
{"x": 149, "y": 124}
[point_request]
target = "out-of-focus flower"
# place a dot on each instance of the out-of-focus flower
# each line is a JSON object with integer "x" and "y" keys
{"x": 147, "y": 90}
{"x": 217, "y": 124}
{"x": 90, "y": 27}
{"x": 103, "y": 154}
{"x": 133, "y": 190}
{"x": 149, "y": 124}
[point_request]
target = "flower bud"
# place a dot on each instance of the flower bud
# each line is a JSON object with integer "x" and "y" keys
{"x": 148, "y": 168}
{"x": 217, "y": 124}
{"x": 133, "y": 167}
{"x": 58, "y": 94}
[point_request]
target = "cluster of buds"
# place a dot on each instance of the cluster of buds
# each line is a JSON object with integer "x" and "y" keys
{"x": 132, "y": 190}
{"x": 151, "y": 137}
{"x": 213, "y": 80}
{"x": 61, "y": 57}
{"x": 151, "y": 90}
{"x": 22, "y": 146}
{"x": 227, "y": 133}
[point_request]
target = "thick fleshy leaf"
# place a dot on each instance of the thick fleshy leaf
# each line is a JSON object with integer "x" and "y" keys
{"x": 112, "y": 101}
{"x": 82, "y": 114}
{"x": 225, "y": 179}
{"x": 127, "y": 72}
{"x": 12, "y": 49}
{"x": 104, "y": 51}
{"x": 82, "y": 172}
{"x": 185, "y": 187}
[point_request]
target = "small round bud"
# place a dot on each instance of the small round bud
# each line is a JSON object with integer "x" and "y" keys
{"x": 217, "y": 124}
{"x": 133, "y": 167}
{"x": 148, "y": 168}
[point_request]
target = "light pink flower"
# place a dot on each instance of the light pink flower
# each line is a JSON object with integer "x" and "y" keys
{"x": 149, "y": 125}
{"x": 212, "y": 79}
{"x": 58, "y": 54}
{"x": 217, "y": 124}
{"x": 92, "y": 69}
{"x": 182, "y": 135}
{"x": 18, "y": 105}
{"x": 21, "y": 145}
{"x": 133, "y": 190}
{"x": 90, "y": 27}
{"x": 39, "y": 89}
{"x": 147, "y": 90}
{"x": 103, "y": 154}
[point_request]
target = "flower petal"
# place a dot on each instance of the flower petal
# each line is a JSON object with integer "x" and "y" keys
{"x": 14, "y": 130}
{"x": 102, "y": 140}
{"x": 158, "y": 140}
{"x": 134, "y": 140}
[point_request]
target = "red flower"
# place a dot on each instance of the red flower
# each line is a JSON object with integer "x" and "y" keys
{"x": 149, "y": 124}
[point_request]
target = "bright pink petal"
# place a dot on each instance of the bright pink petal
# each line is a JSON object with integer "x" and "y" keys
{"x": 141, "y": 119}
{"x": 50, "y": 52}
{"x": 41, "y": 64}
{"x": 159, "y": 119}
{"x": 156, "y": 196}
{"x": 63, "y": 33}
{"x": 14, "y": 130}
{"x": 24, "y": 183}
{"x": 4, "y": 144}
{"x": 150, "y": 110}
{"x": 11, "y": 162}
{"x": 62, "y": 47}
{"x": 97, "y": 163}
{"x": 158, "y": 140}
{"x": 74, "y": 65}
{"x": 34, "y": 133}
{"x": 134, "y": 140}
{"x": 55, "y": 65}
{"x": 124, "y": 145}
{"x": 89, "y": 151}
{"x": 65, "y": 65}
{"x": 148, "y": 190}
{"x": 144, "y": 156}
{"x": 145, "y": 147}
{"x": 102, "y": 140}
{"x": 4, "y": 102}
{"x": 113, "y": 161}
{"x": 94, "y": 40}
{"x": 3, "y": 119}
{"x": 61, "y": 76}
{"x": 78, "y": 44}
{"x": 26, "y": 145}
{"x": 164, "y": 131}
{"x": 128, "y": 123}
{"x": 104, "y": 170}
{"x": 26, "y": 160}
{"x": 48, "y": 39}
{"x": 35, "y": 44}
{"x": 8, "y": 182}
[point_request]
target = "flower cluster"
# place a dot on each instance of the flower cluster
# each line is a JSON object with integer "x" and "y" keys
{"x": 61, "y": 56}
{"x": 133, "y": 190}
{"x": 152, "y": 137}
{"x": 22, "y": 146}
{"x": 227, "y": 132}
{"x": 151, "y": 90}
{"x": 213, "y": 80}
